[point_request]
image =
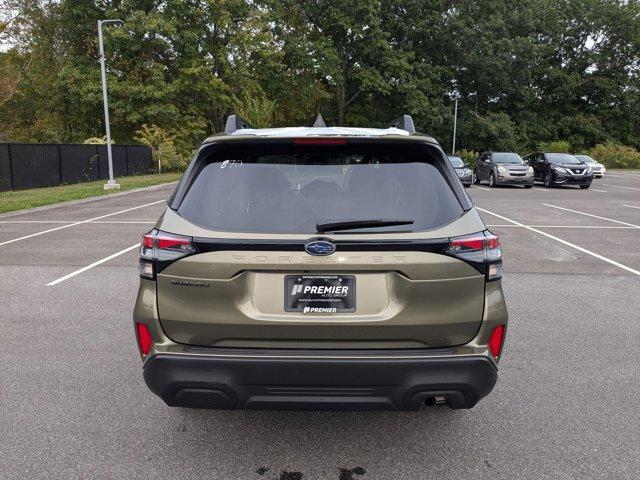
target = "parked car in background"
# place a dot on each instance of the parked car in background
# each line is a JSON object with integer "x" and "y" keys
{"x": 502, "y": 168}
{"x": 462, "y": 169}
{"x": 598, "y": 169}
{"x": 560, "y": 169}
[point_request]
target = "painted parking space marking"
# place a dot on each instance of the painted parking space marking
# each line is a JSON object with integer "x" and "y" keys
{"x": 591, "y": 215}
{"x": 481, "y": 188}
{"x": 630, "y": 206}
{"x": 596, "y": 190}
{"x": 600, "y": 227}
{"x": 78, "y": 223}
{"x": 564, "y": 242}
{"x": 620, "y": 186}
{"x": 94, "y": 264}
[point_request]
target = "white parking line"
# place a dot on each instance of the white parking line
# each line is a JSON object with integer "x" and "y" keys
{"x": 90, "y": 266}
{"x": 630, "y": 206}
{"x": 564, "y": 242}
{"x": 481, "y": 188}
{"x": 591, "y": 215}
{"x": 596, "y": 190}
{"x": 605, "y": 227}
{"x": 620, "y": 186}
{"x": 79, "y": 223}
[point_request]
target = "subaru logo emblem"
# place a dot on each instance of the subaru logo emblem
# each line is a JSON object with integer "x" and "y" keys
{"x": 320, "y": 247}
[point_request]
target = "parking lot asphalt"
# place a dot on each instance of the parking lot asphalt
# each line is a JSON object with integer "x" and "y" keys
{"x": 73, "y": 403}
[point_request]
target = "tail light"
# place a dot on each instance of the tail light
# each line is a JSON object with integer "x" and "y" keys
{"x": 145, "y": 340}
{"x": 481, "y": 250}
{"x": 496, "y": 340}
{"x": 160, "y": 249}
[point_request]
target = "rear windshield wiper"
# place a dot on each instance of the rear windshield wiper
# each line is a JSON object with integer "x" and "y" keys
{"x": 354, "y": 224}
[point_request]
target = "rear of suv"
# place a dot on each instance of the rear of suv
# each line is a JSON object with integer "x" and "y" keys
{"x": 320, "y": 268}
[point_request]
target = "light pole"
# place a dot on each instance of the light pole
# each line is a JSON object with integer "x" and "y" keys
{"x": 111, "y": 183}
{"x": 455, "y": 125}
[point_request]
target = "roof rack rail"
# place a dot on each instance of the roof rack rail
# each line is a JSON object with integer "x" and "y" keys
{"x": 234, "y": 123}
{"x": 319, "y": 123}
{"x": 405, "y": 122}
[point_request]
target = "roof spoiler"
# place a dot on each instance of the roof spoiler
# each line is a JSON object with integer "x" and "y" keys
{"x": 405, "y": 122}
{"x": 234, "y": 123}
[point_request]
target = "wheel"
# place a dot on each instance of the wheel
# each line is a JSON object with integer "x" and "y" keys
{"x": 584, "y": 187}
{"x": 492, "y": 180}
{"x": 548, "y": 183}
{"x": 467, "y": 185}
{"x": 476, "y": 180}
{"x": 528, "y": 186}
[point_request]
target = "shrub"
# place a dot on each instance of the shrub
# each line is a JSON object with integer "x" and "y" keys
{"x": 163, "y": 148}
{"x": 468, "y": 156}
{"x": 613, "y": 155}
{"x": 97, "y": 141}
{"x": 556, "y": 146}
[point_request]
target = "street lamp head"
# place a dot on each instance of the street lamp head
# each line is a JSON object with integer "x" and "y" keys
{"x": 115, "y": 21}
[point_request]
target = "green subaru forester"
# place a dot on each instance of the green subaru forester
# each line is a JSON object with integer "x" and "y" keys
{"x": 320, "y": 268}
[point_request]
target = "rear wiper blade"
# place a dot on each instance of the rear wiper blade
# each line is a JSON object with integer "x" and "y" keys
{"x": 354, "y": 224}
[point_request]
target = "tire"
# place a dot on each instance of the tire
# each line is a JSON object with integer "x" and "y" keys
{"x": 548, "y": 181}
{"x": 584, "y": 187}
{"x": 476, "y": 180}
{"x": 467, "y": 185}
{"x": 492, "y": 180}
{"x": 528, "y": 186}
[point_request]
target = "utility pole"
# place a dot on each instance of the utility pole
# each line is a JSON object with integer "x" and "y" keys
{"x": 455, "y": 125}
{"x": 111, "y": 183}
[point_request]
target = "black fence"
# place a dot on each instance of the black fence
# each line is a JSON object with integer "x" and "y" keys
{"x": 31, "y": 165}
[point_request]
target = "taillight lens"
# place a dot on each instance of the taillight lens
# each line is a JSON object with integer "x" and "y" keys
{"x": 159, "y": 249}
{"x": 145, "y": 340}
{"x": 496, "y": 340}
{"x": 482, "y": 250}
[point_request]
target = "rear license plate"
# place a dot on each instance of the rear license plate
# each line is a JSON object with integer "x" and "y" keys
{"x": 320, "y": 293}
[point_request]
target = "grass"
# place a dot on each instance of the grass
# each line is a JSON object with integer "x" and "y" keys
{"x": 37, "y": 197}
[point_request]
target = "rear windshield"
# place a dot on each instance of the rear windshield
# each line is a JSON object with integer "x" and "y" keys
{"x": 290, "y": 189}
{"x": 501, "y": 157}
{"x": 456, "y": 162}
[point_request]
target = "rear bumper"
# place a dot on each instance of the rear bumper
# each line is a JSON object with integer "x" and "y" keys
{"x": 270, "y": 380}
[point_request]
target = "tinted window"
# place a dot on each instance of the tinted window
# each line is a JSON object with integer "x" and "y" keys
{"x": 562, "y": 158}
{"x": 456, "y": 162}
{"x": 500, "y": 157}
{"x": 282, "y": 189}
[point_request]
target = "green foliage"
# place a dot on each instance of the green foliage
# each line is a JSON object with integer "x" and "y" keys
{"x": 616, "y": 156}
{"x": 525, "y": 72}
{"x": 468, "y": 156}
{"x": 555, "y": 146}
{"x": 97, "y": 141}
{"x": 163, "y": 149}
{"x": 255, "y": 108}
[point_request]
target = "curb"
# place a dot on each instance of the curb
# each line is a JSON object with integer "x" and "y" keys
{"x": 84, "y": 200}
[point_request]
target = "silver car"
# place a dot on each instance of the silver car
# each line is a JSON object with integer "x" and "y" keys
{"x": 599, "y": 169}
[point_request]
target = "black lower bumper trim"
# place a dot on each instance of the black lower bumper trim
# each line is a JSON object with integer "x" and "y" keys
{"x": 318, "y": 383}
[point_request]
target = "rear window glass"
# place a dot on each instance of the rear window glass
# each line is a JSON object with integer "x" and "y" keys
{"x": 290, "y": 189}
{"x": 456, "y": 162}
